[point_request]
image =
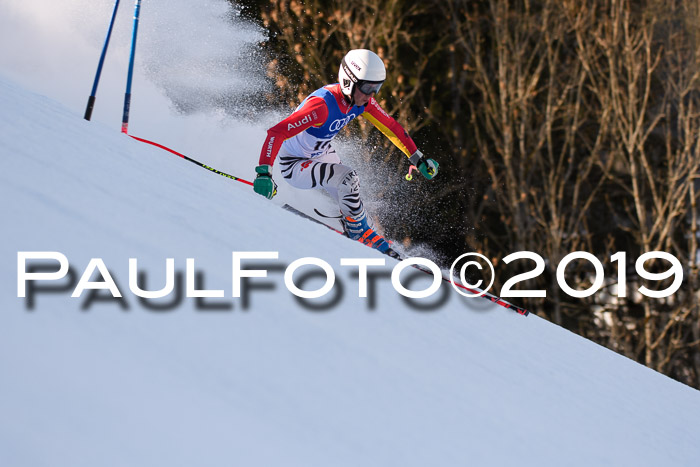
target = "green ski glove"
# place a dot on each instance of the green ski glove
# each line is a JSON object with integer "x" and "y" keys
{"x": 264, "y": 184}
{"x": 427, "y": 167}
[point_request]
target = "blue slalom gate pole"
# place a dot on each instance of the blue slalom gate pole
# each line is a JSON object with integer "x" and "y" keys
{"x": 91, "y": 99}
{"x": 127, "y": 96}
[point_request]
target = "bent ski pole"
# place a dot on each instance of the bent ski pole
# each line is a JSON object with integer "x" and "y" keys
{"x": 211, "y": 169}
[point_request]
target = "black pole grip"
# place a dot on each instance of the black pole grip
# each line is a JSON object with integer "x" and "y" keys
{"x": 90, "y": 106}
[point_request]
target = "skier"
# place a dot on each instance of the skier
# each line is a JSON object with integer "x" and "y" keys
{"x": 303, "y": 143}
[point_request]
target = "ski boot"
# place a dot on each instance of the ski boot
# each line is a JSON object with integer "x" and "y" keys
{"x": 359, "y": 229}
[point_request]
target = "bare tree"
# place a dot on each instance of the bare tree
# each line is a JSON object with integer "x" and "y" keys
{"x": 653, "y": 107}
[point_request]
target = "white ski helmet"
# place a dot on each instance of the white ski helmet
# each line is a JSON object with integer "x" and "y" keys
{"x": 362, "y": 68}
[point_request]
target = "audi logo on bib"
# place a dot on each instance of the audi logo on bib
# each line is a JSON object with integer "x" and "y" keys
{"x": 337, "y": 125}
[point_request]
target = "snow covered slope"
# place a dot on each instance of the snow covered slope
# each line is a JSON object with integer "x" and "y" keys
{"x": 276, "y": 383}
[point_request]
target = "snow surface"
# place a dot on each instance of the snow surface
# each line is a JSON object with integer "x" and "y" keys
{"x": 99, "y": 382}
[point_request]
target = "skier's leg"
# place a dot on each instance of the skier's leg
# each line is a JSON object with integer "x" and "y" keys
{"x": 339, "y": 180}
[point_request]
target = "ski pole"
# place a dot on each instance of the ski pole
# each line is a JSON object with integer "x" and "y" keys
{"x": 409, "y": 177}
{"x": 91, "y": 99}
{"x": 211, "y": 169}
{"x": 127, "y": 96}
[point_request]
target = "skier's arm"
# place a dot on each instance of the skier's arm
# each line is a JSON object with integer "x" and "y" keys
{"x": 395, "y": 132}
{"x": 313, "y": 113}
{"x": 390, "y": 127}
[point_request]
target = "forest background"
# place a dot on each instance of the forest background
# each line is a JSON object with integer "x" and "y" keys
{"x": 559, "y": 126}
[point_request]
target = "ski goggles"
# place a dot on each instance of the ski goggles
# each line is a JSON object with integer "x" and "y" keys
{"x": 369, "y": 87}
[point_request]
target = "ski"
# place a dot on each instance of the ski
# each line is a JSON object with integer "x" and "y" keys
{"x": 391, "y": 253}
{"x": 492, "y": 298}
